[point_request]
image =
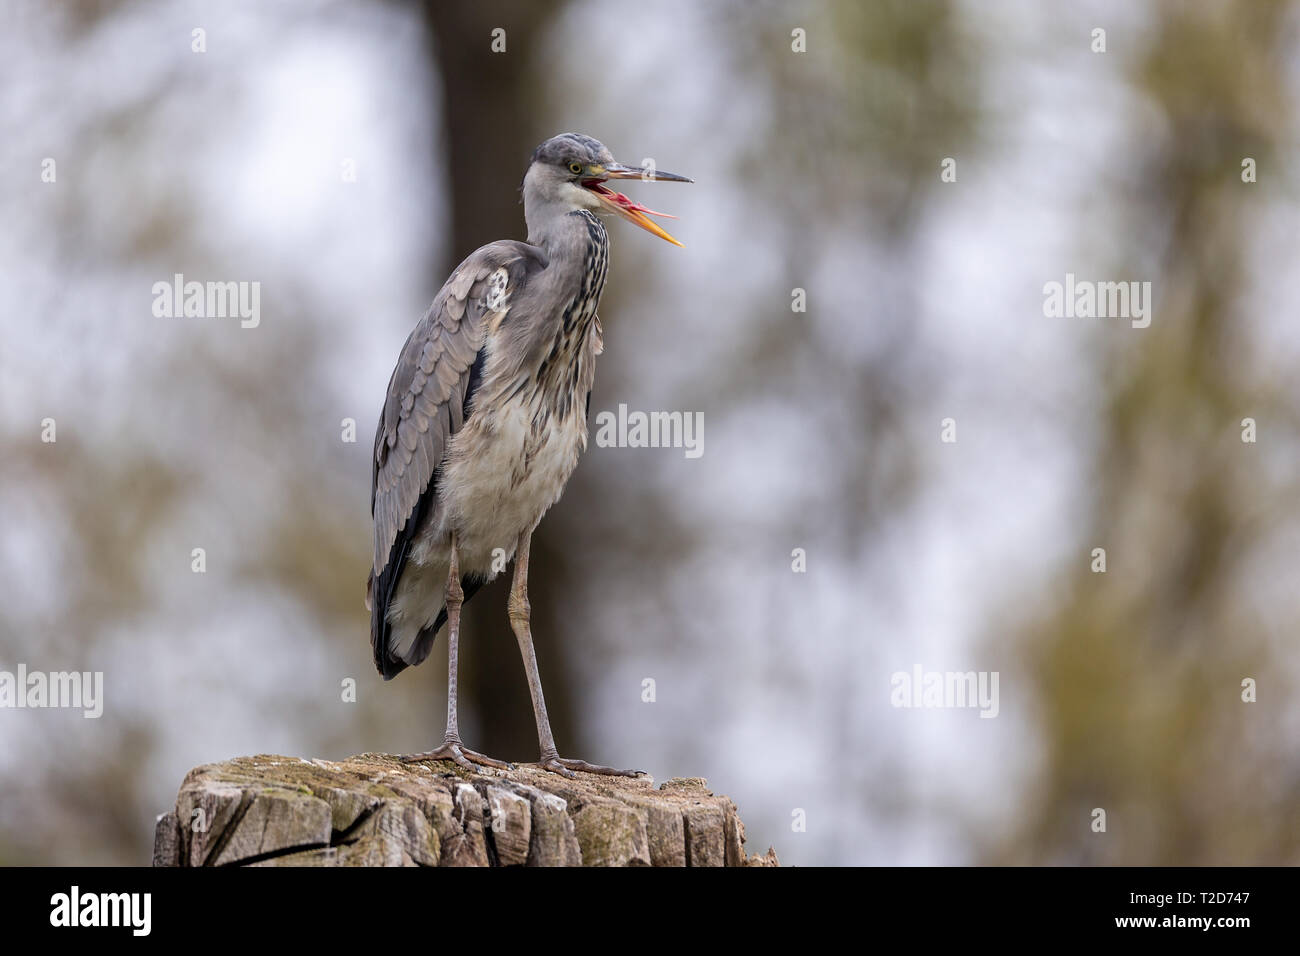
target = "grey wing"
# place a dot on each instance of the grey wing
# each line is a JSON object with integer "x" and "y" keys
{"x": 427, "y": 396}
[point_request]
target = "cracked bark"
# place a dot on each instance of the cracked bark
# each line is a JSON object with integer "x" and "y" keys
{"x": 373, "y": 810}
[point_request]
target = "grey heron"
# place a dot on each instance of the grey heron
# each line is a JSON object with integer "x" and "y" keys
{"x": 485, "y": 418}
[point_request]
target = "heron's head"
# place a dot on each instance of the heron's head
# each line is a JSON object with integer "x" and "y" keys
{"x": 569, "y": 172}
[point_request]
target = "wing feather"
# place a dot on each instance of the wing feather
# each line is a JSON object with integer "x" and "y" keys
{"x": 427, "y": 395}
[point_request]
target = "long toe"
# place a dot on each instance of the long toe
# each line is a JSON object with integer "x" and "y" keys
{"x": 486, "y": 761}
{"x": 459, "y": 755}
{"x": 554, "y": 766}
{"x": 565, "y": 767}
{"x": 439, "y": 754}
{"x": 594, "y": 768}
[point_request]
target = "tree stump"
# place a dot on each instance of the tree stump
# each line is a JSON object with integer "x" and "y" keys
{"x": 374, "y": 810}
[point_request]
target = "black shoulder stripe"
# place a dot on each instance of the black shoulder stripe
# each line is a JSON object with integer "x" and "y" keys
{"x": 475, "y": 379}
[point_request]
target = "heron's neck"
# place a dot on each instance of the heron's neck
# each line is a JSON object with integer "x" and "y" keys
{"x": 577, "y": 250}
{"x": 578, "y": 263}
{"x": 558, "y": 229}
{"x": 572, "y": 241}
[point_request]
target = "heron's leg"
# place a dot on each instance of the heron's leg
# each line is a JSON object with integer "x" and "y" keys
{"x": 451, "y": 748}
{"x": 520, "y": 612}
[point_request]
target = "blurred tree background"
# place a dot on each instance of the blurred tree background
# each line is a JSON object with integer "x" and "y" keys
{"x": 816, "y": 170}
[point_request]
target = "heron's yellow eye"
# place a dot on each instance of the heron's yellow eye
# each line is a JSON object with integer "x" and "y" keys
{"x": 575, "y": 168}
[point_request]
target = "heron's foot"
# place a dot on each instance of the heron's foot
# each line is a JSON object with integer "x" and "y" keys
{"x": 463, "y": 756}
{"x": 565, "y": 767}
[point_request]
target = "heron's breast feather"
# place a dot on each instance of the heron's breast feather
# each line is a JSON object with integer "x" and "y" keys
{"x": 502, "y": 473}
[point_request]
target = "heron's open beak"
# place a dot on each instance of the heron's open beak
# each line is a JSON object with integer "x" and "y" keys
{"x": 622, "y": 205}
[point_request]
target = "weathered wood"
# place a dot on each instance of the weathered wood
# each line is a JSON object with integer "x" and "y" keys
{"x": 374, "y": 810}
